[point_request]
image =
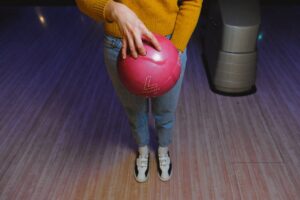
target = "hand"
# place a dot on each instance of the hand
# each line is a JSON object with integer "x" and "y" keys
{"x": 132, "y": 28}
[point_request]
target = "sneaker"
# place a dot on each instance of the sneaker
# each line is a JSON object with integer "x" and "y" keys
{"x": 141, "y": 170}
{"x": 164, "y": 166}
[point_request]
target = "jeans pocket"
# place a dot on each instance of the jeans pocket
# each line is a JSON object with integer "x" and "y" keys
{"x": 111, "y": 42}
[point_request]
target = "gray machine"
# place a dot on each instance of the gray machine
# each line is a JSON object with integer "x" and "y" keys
{"x": 230, "y": 38}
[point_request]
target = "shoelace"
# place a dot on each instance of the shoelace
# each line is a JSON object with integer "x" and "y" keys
{"x": 142, "y": 161}
{"x": 164, "y": 160}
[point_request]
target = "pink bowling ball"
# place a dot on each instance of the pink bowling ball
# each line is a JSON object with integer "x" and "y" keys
{"x": 155, "y": 73}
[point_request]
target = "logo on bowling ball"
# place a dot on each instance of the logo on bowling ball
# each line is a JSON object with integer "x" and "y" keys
{"x": 150, "y": 88}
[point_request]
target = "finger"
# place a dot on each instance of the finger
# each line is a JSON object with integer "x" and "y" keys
{"x": 139, "y": 44}
{"x": 153, "y": 40}
{"x": 124, "y": 47}
{"x": 131, "y": 46}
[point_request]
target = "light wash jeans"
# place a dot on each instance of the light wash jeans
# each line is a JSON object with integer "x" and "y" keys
{"x": 163, "y": 107}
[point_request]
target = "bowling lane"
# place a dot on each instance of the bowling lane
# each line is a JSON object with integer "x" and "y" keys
{"x": 64, "y": 135}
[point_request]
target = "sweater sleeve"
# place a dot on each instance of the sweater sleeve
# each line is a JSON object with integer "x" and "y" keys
{"x": 93, "y": 8}
{"x": 186, "y": 21}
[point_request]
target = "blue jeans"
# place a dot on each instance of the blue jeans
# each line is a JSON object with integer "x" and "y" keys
{"x": 163, "y": 107}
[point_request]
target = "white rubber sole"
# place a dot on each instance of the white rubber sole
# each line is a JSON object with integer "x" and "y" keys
{"x": 141, "y": 181}
{"x": 165, "y": 179}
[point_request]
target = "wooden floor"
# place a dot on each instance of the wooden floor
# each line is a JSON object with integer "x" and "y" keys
{"x": 64, "y": 135}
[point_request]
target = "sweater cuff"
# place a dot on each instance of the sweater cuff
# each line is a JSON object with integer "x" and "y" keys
{"x": 179, "y": 44}
{"x": 99, "y": 9}
{"x": 104, "y": 8}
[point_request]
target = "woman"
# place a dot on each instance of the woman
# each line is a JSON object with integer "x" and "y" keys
{"x": 126, "y": 22}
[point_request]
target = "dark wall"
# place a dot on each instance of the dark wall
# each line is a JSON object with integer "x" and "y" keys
{"x": 37, "y": 2}
{"x": 72, "y": 2}
{"x": 270, "y": 2}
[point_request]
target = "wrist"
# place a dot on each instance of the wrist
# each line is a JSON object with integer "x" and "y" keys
{"x": 110, "y": 15}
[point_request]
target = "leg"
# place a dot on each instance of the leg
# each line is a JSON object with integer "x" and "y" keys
{"x": 136, "y": 107}
{"x": 164, "y": 108}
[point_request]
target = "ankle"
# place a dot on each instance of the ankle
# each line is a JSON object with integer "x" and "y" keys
{"x": 163, "y": 150}
{"x": 144, "y": 150}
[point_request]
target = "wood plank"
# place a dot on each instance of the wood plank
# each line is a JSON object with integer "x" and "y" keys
{"x": 264, "y": 181}
{"x": 64, "y": 134}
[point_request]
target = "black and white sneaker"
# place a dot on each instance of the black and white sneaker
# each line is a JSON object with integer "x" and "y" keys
{"x": 164, "y": 166}
{"x": 141, "y": 170}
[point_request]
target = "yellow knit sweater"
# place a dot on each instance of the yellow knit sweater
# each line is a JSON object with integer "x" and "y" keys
{"x": 159, "y": 16}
